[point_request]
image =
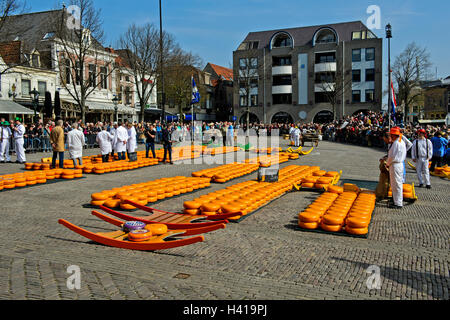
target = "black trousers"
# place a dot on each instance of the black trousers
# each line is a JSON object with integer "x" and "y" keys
{"x": 167, "y": 148}
{"x": 61, "y": 159}
{"x": 435, "y": 162}
{"x": 105, "y": 157}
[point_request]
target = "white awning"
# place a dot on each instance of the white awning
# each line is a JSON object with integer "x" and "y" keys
{"x": 11, "y": 107}
{"x": 99, "y": 106}
{"x": 124, "y": 109}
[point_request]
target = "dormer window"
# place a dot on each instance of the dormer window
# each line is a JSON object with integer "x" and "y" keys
{"x": 325, "y": 35}
{"x": 281, "y": 40}
{"x": 35, "y": 60}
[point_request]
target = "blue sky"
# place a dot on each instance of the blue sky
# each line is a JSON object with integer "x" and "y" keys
{"x": 213, "y": 29}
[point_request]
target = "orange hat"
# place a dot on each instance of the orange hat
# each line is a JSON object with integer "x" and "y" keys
{"x": 395, "y": 131}
{"x": 422, "y": 131}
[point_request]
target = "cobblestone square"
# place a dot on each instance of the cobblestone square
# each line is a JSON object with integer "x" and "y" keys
{"x": 263, "y": 257}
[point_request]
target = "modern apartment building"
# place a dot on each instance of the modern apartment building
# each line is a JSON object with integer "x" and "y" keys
{"x": 308, "y": 74}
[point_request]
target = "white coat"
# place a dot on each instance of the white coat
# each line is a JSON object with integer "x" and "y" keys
{"x": 421, "y": 153}
{"x": 18, "y": 143}
{"x": 395, "y": 161}
{"x": 121, "y": 136}
{"x": 114, "y": 140}
{"x": 131, "y": 142}
{"x": 104, "y": 140}
{"x": 5, "y": 135}
{"x": 75, "y": 143}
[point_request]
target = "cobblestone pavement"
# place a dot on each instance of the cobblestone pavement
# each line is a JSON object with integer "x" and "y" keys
{"x": 262, "y": 257}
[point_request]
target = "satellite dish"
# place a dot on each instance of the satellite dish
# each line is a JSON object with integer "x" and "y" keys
{"x": 302, "y": 115}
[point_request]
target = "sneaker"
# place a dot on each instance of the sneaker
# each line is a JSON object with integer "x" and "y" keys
{"x": 428, "y": 187}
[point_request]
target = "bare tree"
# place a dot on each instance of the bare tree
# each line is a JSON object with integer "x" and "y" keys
{"x": 8, "y": 8}
{"x": 141, "y": 51}
{"x": 332, "y": 85}
{"x": 250, "y": 71}
{"x": 80, "y": 36}
{"x": 408, "y": 70}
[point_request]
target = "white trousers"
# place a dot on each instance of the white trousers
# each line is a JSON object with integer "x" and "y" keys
{"x": 396, "y": 181}
{"x": 297, "y": 141}
{"x": 20, "y": 150}
{"x": 4, "y": 150}
{"x": 423, "y": 171}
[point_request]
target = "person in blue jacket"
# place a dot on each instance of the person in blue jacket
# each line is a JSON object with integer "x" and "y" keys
{"x": 439, "y": 149}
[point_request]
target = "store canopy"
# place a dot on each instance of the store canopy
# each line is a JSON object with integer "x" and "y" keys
{"x": 11, "y": 107}
{"x": 95, "y": 106}
{"x": 124, "y": 109}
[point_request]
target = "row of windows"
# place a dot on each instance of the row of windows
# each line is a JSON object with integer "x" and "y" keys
{"x": 356, "y": 54}
{"x": 370, "y": 75}
{"x": 26, "y": 87}
{"x": 320, "y": 97}
{"x": 102, "y": 76}
{"x": 370, "y": 95}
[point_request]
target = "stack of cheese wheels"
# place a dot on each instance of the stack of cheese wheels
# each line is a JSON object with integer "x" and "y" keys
{"x": 323, "y": 182}
{"x": 269, "y": 160}
{"x": 358, "y": 219}
{"x": 351, "y": 187}
{"x": 334, "y": 219}
{"x": 311, "y": 217}
{"x": 220, "y": 150}
{"x": 293, "y": 156}
{"x": 68, "y": 174}
{"x": 246, "y": 197}
{"x": 408, "y": 191}
{"x": 148, "y": 192}
{"x": 335, "y": 189}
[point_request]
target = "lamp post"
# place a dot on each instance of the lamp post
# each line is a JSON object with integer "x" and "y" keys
{"x": 115, "y": 100}
{"x": 389, "y": 36}
{"x": 35, "y": 102}
{"x": 163, "y": 97}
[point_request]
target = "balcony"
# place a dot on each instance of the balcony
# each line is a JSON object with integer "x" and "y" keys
{"x": 286, "y": 89}
{"x": 324, "y": 87}
{"x": 281, "y": 70}
{"x": 325, "y": 67}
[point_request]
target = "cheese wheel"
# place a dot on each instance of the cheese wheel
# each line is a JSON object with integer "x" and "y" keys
{"x": 335, "y": 189}
{"x": 354, "y": 222}
{"x": 230, "y": 209}
{"x": 133, "y": 225}
{"x": 407, "y": 188}
{"x": 309, "y": 217}
{"x": 330, "y": 228}
{"x": 206, "y": 213}
{"x": 97, "y": 202}
{"x": 139, "y": 235}
{"x": 306, "y": 225}
{"x": 210, "y": 207}
{"x": 100, "y": 196}
{"x": 192, "y": 204}
{"x": 356, "y": 231}
{"x": 157, "y": 229}
{"x": 332, "y": 220}
{"x": 112, "y": 203}
{"x": 192, "y": 212}
{"x": 408, "y": 195}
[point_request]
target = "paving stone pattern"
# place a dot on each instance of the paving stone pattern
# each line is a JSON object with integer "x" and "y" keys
{"x": 262, "y": 257}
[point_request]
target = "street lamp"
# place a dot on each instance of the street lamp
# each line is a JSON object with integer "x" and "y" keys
{"x": 389, "y": 36}
{"x": 115, "y": 100}
{"x": 35, "y": 102}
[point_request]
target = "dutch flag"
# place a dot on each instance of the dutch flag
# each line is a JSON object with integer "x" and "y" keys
{"x": 195, "y": 93}
{"x": 393, "y": 101}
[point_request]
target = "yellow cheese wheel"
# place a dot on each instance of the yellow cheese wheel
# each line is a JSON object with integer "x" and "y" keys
{"x": 356, "y": 231}
{"x": 331, "y": 228}
{"x": 306, "y": 225}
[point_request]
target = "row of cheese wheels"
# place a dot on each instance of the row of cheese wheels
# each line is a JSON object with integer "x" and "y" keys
{"x": 148, "y": 192}
{"x": 227, "y": 172}
{"x": 247, "y": 196}
{"x": 269, "y": 160}
{"x": 220, "y": 150}
{"x": 23, "y": 179}
{"x": 320, "y": 179}
{"x": 408, "y": 191}
{"x": 334, "y": 212}
{"x": 121, "y": 165}
{"x": 267, "y": 150}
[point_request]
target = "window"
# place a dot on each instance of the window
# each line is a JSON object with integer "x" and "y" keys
{"x": 254, "y": 83}
{"x": 281, "y": 61}
{"x": 370, "y": 95}
{"x": 356, "y": 75}
{"x": 253, "y": 63}
{"x": 325, "y": 36}
{"x": 370, "y": 74}
{"x": 120, "y": 93}
{"x": 356, "y": 35}
{"x": 321, "y": 97}
{"x": 127, "y": 95}
{"x": 35, "y": 60}
{"x": 325, "y": 77}
{"x": 282, "y": 98}
{"x": 356, "y": 96}
{"x": 370, "y": 54}
{"x": 78, "y": 72}
{"x": 285, "y": 80}
{"x": 282, "y": 40}
{"x": 67, "y": 71}
{"x": 253, "y": 100}
{"x": 356, "y": 55}
{"x": 42, "y": 88}
{"x": 26, "y": 87}
{"x": 92, "y": 76}
{"x": 253, "y": 44}
{"x": 325, "y": 57}
{"x": 127, "y": 78}
{"x": 243, "y": 101}
{"x": 103, "y": 78}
